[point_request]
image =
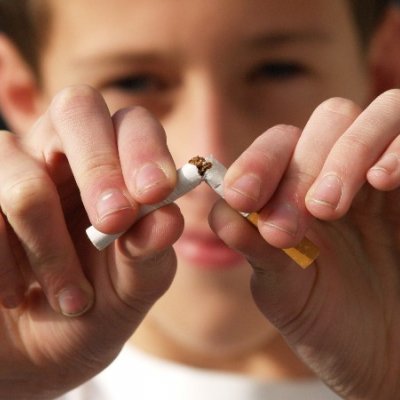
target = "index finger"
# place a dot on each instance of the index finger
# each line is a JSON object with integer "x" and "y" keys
{"x": 355, "y": 152}
{"x": 81, "y": 119}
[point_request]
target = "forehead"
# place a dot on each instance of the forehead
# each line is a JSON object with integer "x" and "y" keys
{"x": 95, "y": 23}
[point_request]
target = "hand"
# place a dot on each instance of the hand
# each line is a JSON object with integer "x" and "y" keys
{"x": 339, "y": 182}
{"x": 78, "y": 161}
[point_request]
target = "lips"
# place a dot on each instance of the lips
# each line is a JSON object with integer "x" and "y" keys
{"x": 206, "y": 250}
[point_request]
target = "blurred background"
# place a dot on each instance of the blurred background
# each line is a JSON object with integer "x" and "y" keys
{"x": 386, "y": 53}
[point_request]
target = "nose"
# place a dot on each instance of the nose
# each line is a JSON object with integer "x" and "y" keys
{"x": 205, "y": 120}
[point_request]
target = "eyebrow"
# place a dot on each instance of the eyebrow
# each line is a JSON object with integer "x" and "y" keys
{"x": 274, "y": 39}
{"x": 123, "y": 58}
{"x": 278, "y": 38}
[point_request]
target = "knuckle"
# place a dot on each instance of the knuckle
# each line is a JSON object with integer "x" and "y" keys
{"x": 73, "y": 100}
{"x": 262, "y": 160}
{"x": 139, "y": 113}
{"x": 391, "y": 98}
{"x": 341, "y": 106}
{"x": 143, "y": 126}
{"x": 284, "y": 129}
{"x": 28, "y": 196}
{"x": 47, "y": 263}
{"x": 354, "y": 143}
{"x": 100, "y": 164}
{"x": 148, "y": 290}
{"x": 286, "y": 134}
{"x": 133, "y": 112}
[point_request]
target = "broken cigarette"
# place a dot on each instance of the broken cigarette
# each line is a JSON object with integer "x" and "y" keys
{"x": 188, "y": 177}
{"x": 303, "y": 254}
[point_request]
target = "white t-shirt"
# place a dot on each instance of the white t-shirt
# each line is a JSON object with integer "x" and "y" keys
{"x": 136, "y": 375}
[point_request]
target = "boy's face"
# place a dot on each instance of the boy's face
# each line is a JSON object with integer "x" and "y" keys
{"x": 217, "y": 74}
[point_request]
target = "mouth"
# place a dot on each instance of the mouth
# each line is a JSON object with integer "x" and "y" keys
{"x": 206, "y": 251}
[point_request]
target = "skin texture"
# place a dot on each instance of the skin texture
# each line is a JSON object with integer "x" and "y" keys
{"x": 279, "y": 93}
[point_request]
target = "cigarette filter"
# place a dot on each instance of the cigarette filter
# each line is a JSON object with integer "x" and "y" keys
{"x": 303, "y": 254}
{"x": 188, "y": 178}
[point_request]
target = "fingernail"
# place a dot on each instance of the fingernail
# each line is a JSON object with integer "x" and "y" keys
{"x": 328, "y": 191}
{"x": 248, "y": 186}
{"x": 387, "y": 164}
{"x": 110, "y": 202}
{"x": 284, "y": 217}
{"x": 74, "y": 301}
{"x": 148, "y": 176}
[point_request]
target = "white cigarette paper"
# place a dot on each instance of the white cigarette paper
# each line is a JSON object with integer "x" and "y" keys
{"x": 188, "y": 178}
{"x": 214, "y": 177}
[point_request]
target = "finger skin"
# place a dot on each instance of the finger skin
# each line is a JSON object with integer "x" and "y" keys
{"x": 127, "y": 279}
{"x": 287, "y": 173}
{"x": 365, "y": 140}
{"x": 321, "y": 310}
{"x": 252, "y": 179}
{"x": 340, "y": 315}
{"x": 12, "y": 285}
{"x": 147, "y": 165}
{"x": 385, "y": 174}
{"x": 285, "y": 220}
{"x": 279, "y": 276}
{"x": 29, "y": 200}
{"x": 88, "y": 138}
{"x": 148, "y": 245}
{"x": 81, "y": 121}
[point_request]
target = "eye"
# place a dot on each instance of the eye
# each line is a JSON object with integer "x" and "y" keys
{"x": 139, "y": 84}
{"x": 278, "y": 70}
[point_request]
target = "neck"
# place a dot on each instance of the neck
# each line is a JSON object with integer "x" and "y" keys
{"x": 272, "y": 361}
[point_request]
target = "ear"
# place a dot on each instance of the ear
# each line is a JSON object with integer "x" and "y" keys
{"x": 385, "y": 53}
{"x": 18, "y": 88}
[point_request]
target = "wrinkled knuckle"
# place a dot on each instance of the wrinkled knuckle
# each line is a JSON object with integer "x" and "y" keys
{"x": 134, "y": 115}
{"x": 354, "y": 142}
{"x": 391, "y": 98}
{"x": 285, "y": 129}
{"x": 341, "y": 106}
{"x": 140, "y": 112}
{"x": 28, "y": 196}
{"x": 99, "y": 164}
{"x": 47, "y": 263}
{"x": 161, "y": 265}
{"x": 142, "y": 122}
{"x": 73, "y": 99}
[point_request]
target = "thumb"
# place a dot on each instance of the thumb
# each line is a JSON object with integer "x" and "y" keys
{"x": 279, "y": 286}
{"x": 143, "y": 263}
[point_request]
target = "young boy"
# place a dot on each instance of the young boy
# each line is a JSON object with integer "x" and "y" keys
{"x": 221, "y": 77}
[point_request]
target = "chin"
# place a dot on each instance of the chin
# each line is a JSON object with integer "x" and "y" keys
{"x": 209, "y": 315}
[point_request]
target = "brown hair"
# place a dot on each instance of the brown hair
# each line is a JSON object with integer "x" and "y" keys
{"x": 367, "y": 15}
{"x": 26, "y": 22}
